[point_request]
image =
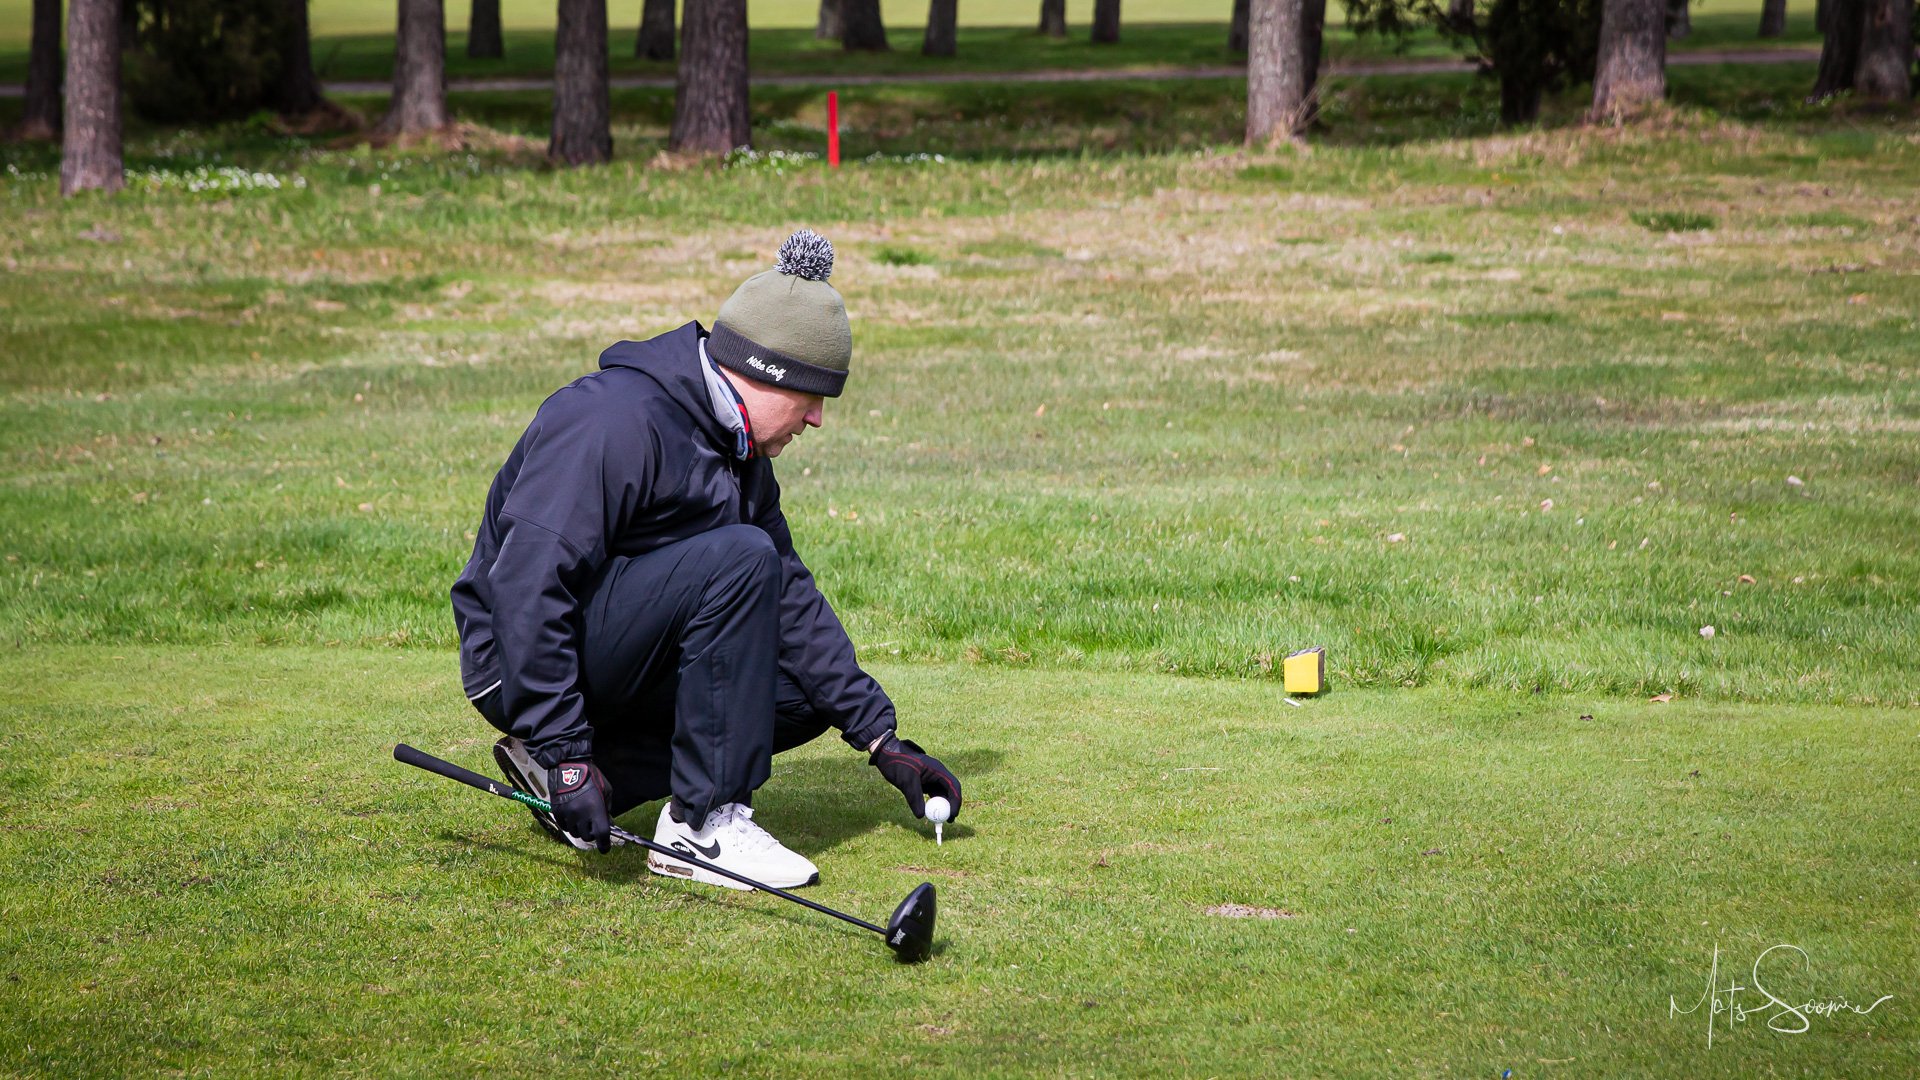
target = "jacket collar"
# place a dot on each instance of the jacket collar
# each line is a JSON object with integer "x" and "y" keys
{"x": 728, "y": 406}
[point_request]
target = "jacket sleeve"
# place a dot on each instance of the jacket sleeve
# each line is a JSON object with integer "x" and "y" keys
{"x": 815, "y": 651}
{"x": 553, "y": 540}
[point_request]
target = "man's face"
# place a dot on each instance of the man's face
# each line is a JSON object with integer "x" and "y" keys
{"x": 778, "y": 415}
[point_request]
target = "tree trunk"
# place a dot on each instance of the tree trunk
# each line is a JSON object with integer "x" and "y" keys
{"x": 419, "y": 70}
{"x": 1820, "y": 16}
{"x": 655, "y": 41}
{"x": 1237, "y": 29}
{"x": 1276, "y": 76}
{"x": 1520, "y": 98}
{"x": 1460, "y": 14}
{"x": 860, "y": 26}
{"x": 1313, "y": 24}
{"x": 942, "y": 16}
{"x": 1773, "y": 18}
{"x": 1053, "y": 18}
{"x": 1631, "y": 72}
{"x": 483, "y": 31}
{"x": 582, "y": 109}
{"x": 1840, "y": 52}
{"x": 298, "y": 92}
{"x": 830, "y": 26}
{"x": 1106, "y": 22}
{"x": 1679, "y": 19}
{"x": 710, "y": 110}
{"x": 42, "y": 117}
{"x": 1886, "y": 51}
{"x": 90, "y": 146}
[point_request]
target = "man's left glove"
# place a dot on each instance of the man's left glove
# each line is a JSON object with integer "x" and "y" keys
{"x": 916, "y": 773}
{"x": 580, "y": 802}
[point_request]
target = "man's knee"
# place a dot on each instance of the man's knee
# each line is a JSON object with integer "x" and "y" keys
{"x": 742, "y": 549}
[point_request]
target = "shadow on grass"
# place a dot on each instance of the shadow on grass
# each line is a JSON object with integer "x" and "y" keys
{"x": 984, "y": 122}
{"x": 1001, "y": 122}
{"x": 983, "y": 50}
{"x": 813, "y": 804}
{"x": 628, "y": 866}
{"x": 840, "y": 798}
{"x": 818, "y": 795}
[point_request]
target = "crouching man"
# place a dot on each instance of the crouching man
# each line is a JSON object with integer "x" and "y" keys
{"x": 634, "y": 617}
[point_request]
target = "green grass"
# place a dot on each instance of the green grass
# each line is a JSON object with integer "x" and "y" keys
{"x": 217, "y": 869}
{"x": 275, "y": 361}
{"x": 1134, "y": 413}
{"x": 1672, "y": 220}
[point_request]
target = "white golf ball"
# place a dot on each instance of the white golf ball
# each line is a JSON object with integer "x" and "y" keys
{"x": 939, "y": 809}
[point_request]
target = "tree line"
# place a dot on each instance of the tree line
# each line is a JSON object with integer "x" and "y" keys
{"x": 1620, "y": 46}
{"x": 197, "y": 60}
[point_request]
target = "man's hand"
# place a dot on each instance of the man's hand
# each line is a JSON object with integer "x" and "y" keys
{"x": 916, "y": 773}
{"x": 580, "y": 802}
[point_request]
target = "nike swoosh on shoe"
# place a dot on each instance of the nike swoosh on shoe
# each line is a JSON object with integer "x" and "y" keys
{"x": 709, "y": 852}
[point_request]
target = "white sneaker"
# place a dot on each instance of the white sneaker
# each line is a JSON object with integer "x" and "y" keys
{"x": 525, "y": 774}
{"x": 729, "y": 838}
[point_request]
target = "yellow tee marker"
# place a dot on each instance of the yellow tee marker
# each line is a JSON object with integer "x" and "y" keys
{"x": 1305, "y": 672}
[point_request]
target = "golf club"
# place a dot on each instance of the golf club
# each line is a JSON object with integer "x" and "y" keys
{"x": 909, "y": 933}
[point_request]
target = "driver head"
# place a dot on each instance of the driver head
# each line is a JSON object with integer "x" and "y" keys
{"x": 910, "y": 931}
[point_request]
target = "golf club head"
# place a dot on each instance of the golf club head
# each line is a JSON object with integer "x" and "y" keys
{"x": 910, "y": 931}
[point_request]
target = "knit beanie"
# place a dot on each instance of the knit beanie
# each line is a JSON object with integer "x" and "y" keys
{"x": 786, "y": 326}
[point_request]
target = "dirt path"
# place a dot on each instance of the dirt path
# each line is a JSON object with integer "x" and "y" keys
{"x": 1371, "y": 67}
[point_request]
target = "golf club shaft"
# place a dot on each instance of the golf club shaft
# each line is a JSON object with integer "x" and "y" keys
{"x": 420, "y": 759}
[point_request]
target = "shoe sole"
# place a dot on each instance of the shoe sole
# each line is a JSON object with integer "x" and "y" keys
{"x": 666, "y": 867}
{"x": 547, "y": 825}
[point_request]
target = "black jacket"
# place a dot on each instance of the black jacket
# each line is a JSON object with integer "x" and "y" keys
{"x": 618, "y": 463}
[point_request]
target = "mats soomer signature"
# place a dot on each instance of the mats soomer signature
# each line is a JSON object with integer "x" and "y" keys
{"x": 1781, "y": 1015}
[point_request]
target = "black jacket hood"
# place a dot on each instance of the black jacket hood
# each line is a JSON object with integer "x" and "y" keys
{"x": 673, "y": 360}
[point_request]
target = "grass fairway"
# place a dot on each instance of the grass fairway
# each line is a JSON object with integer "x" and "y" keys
{"x": 1503, "y": 419}
{"x": 217, "y": 870}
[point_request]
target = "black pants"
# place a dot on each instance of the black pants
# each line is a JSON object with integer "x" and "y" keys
{"x": 679, "y": 659}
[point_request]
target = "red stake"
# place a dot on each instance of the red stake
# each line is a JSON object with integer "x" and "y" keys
{"x": 833, "y": 129}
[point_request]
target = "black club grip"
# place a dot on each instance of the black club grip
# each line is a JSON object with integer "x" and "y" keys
{"x": 420, "y": 759}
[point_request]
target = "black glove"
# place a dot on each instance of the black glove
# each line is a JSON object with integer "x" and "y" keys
{"x": 580, "y": 802}
{"x": 916, "y": 773}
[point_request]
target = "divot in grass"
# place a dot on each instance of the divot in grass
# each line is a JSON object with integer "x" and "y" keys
{"x": 1244, "y": 911}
